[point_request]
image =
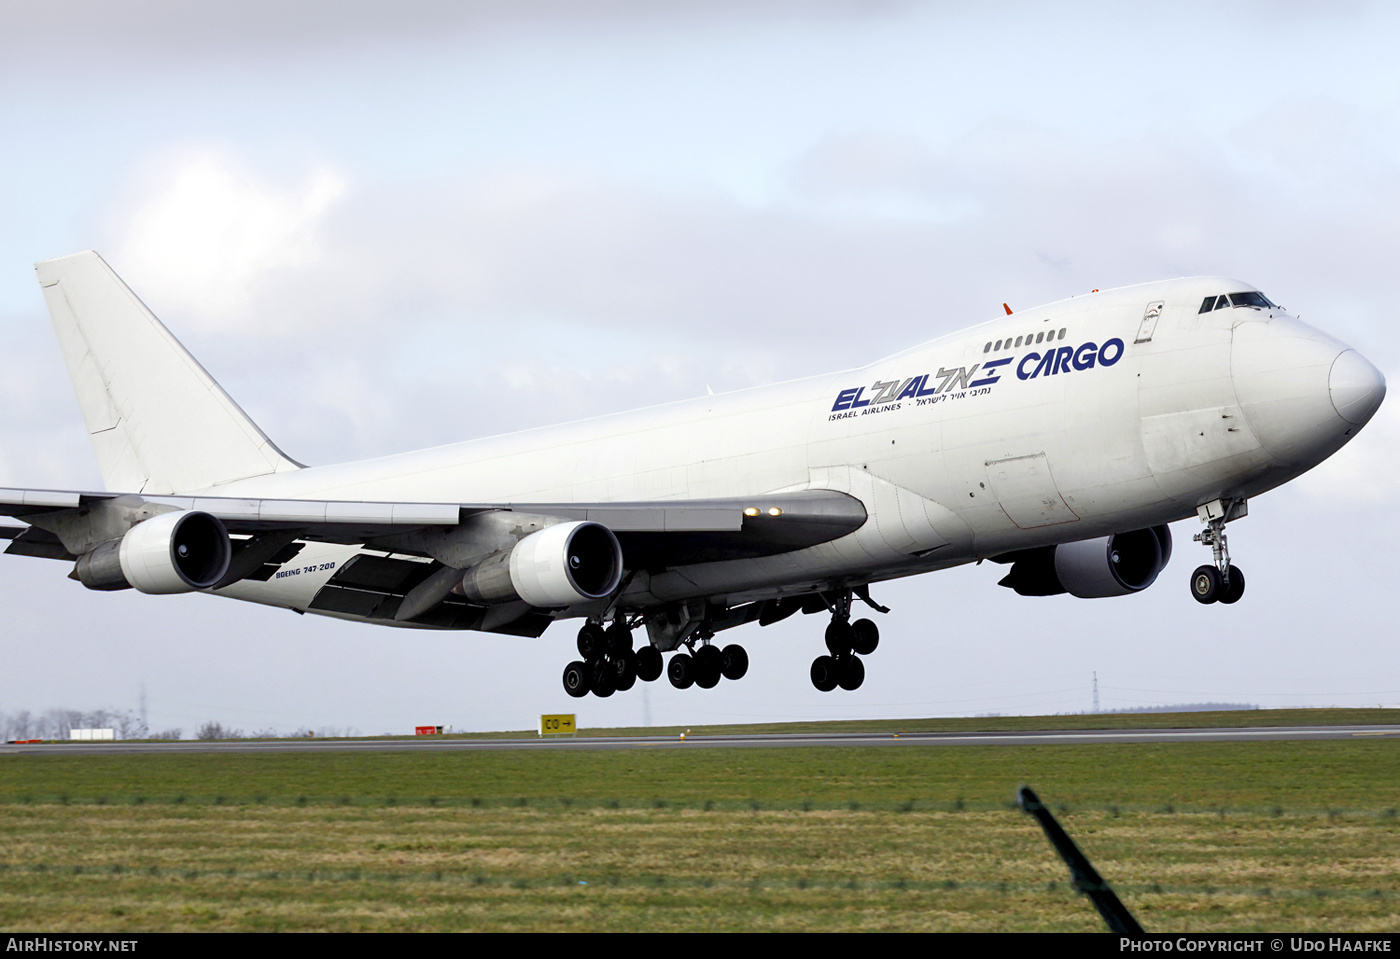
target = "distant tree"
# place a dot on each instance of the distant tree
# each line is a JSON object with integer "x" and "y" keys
{"x": 212, "y": 730}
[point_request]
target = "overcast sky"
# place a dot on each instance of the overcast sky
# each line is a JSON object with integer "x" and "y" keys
{"x": 387, "y": 226}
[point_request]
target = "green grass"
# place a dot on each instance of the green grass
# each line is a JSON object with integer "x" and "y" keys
{"x": 1202, "y": 836}
{"x": 1353, "y": 774}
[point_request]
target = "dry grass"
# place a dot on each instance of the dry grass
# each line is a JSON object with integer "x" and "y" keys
{"x": 345, "y": 869}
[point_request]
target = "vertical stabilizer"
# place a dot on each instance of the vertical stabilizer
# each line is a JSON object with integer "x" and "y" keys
{"x": 158, "y": 422}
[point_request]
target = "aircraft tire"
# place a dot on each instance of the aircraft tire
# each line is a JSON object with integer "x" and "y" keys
{"x": 824, "y": 673}
{"x": 649, "y": 664}
{"x": 681, "y": 671}
{"x": 865, "y": 636}
{"x": 591, "y": 641}
{"x": 1205, "y": 585}
{"x": 624, "y": 670}
{"x": 1233, "y": 592}
{"x": 576, "y": 679}
{"x": 709, "y": 666}
{"x": 736, "y": 661}
{"x": 838, "y": 637}
{"x": 851, "y": 672}
{"x": 604, "y": 679}
{"x": 619, "y": 638}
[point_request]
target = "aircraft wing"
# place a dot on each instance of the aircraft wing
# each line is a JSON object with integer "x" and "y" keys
{"x": 653, "y": 534}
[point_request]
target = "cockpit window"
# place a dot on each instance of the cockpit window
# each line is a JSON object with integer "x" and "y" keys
{"x": 1250, "y": 298}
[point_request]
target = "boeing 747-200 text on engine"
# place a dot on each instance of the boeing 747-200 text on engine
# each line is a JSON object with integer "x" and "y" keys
{"x": 1060, "y": 441}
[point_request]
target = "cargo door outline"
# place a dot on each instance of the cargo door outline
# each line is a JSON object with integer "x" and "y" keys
{"x": 1026, "y": 491}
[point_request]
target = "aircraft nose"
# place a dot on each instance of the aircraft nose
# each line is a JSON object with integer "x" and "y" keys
{"x": 1356, "y": 387}
{"x": 1303, "y": 393}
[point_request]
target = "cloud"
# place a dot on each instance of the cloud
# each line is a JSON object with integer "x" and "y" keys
{"x": 209, "y": 231}
{"x": 139, "y": 35}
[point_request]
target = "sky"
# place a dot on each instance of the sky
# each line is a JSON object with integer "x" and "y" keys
{"x": 389, "y": 226}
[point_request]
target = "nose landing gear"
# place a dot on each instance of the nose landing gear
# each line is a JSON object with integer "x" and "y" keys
{"x": 1222, "y": 582}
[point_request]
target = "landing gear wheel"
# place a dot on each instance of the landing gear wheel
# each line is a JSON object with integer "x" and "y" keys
{"x": 865, "y": 636}
{"x": 1233, "y": 592}
{"x": 681, "y": 671}
{"x": 825, "y": 673}
{"x": 591, "y": 641}
{"x": 838, "y": 637}
{"x": 576, "y": 679}
{"x": 852, "y": 672}
{"x": 709, "y": 662}
{"x": 619, "y": 638}
{"x": 736, "y": 661}
{"x": 1205, "y": 585}
{"x": 604, "y": 680}
{"x": 649, "y": 664}
{"x": 624, "y": 670}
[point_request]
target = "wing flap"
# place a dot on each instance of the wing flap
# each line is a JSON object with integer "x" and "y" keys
{"x": 374, "y": 587}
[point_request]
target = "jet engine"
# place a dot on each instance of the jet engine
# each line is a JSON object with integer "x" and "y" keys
{"x": 560, "y": 565}
{"x": 175, "y": 552}
{"x": 1105, "y": 566}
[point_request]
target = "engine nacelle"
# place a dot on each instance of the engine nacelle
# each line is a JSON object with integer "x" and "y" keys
{"x": 1105, "y": 566}
{"x": 560, "y": 565}
{"x": 1113, "y": 565}
{"x": 175, "y": 552}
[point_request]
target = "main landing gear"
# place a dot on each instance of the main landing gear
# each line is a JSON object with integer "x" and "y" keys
{"x": 705, "y": 665}
{"x": 1222, "y": 582}
{"x": 611, "y": 665}
{"x": 844, "y": 640}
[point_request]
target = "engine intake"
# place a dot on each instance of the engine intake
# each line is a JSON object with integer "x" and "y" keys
{"x": 560, "y": 565}
{"x": 176, "y": 552}
{"x": 1093, "y": 568}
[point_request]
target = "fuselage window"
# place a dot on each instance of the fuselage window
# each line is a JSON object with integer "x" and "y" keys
{"x": 988, "y": 347}
{"x": 1039, "y": 337}
{"x": 998, "y": 346}
{"x": 1063, "y": 331}
{"x": 1018, "y": 341}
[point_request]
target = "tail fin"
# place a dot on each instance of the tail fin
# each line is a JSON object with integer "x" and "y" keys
{"x": 158, "y": 422}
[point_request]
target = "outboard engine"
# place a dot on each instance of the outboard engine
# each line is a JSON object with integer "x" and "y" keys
{"x": 1092, "y": 568}
{"x": 175, "y": 552}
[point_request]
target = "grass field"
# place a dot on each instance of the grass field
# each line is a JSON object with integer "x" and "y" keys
{"x": 1274, "y": 836}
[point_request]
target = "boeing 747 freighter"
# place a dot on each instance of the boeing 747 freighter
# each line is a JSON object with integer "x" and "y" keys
{"x": 1058, "y": 441}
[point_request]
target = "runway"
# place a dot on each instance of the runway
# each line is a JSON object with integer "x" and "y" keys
{"x": 1077, "y": 737}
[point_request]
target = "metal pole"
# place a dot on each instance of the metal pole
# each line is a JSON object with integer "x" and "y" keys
{"x": 1082, "y": 875}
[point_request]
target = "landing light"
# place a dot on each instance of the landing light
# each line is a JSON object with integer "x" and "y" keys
{"x": 751, "y": 511}
{"x": 774, "y": 511}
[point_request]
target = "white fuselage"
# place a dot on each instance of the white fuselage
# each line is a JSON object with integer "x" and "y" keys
{"x": 1104, "y": 413}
